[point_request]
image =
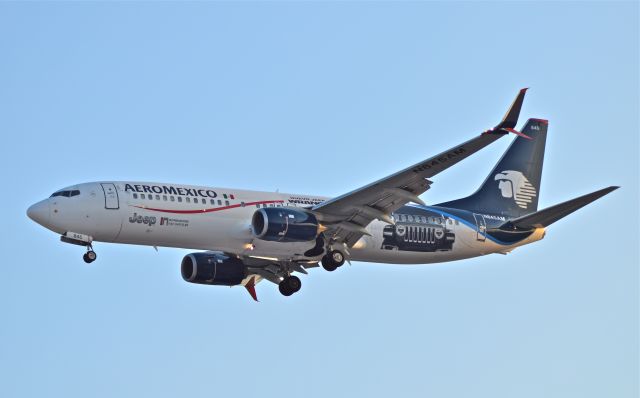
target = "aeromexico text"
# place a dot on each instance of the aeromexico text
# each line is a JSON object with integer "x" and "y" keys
{"x": 170, "y": 190}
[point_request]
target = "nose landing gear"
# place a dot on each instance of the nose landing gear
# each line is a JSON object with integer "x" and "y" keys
{"x": 75, "y": 238}
{"x": 90, "y": 256}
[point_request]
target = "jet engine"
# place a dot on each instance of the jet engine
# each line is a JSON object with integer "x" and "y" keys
{"x": 209, "y": 268}
{"x": 278, "y": 224}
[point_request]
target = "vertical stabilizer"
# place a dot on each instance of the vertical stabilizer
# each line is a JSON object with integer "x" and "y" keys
{"x": 513, "y": 186}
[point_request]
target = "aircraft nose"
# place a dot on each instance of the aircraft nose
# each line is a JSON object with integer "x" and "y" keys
{"x": 39, "y": 212}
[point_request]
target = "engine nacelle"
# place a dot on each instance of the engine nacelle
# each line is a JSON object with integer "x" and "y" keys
{"x": 278, "y": 224}
{"x": 212, "y": 269}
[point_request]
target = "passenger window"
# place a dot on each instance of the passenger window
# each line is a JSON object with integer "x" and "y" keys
{"x": 135, "y": 196}
{"x": 180, "y": 199}
{"x": 226, "y": 202}
{"x": 142, "y": 196}
{"x": 150, "y": 197}
{"x": 157, "y": 197}
{"x": 213, "y": 202}
{"x": 219, "y": 202}
{"x": 204, "y": 201}
{"x": 164, "y": 197}
{"x": 410, "y": 218}
{"x": 172, "y": 198}
{"x": 188, "y": 200}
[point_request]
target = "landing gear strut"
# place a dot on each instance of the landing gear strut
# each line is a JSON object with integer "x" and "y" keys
{"x": 90, "y": 256}
{"x": 289, "y": 285}
{"x": 332, "y": 260}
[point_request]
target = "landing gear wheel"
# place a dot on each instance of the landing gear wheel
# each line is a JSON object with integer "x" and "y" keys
{"x": 283, "y": 289}
{"x": 328, "y": 264}
{"x": 89, "y": 257}
{"x": 332, "y": 260}
{"x": 289, "y": 285}
{"x": 337, "y": 257}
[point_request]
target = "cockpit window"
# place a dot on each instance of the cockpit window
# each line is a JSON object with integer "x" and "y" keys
{"x": 66, "y": 194}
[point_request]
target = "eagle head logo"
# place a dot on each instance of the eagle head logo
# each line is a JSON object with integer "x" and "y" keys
{"x": 513, "y": 184}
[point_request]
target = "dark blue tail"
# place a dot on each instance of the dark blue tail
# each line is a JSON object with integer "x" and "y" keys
{"x": 513, "y": 186}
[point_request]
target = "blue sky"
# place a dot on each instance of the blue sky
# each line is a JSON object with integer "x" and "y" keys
{"x": 318, "y": 98}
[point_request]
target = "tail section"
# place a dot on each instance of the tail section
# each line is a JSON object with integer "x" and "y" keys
{"x": 513, "y": 186}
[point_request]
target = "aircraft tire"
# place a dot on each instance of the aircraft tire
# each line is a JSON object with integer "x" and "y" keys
{"x": 284, "y": 290}
{"x": 89, "y": 257}
{"x": 337, "y": 257}
{"x": 328, "y": 264}
{"x": 289, "y": 285}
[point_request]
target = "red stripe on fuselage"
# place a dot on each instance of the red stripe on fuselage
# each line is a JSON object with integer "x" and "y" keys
{"x": 264, "y": 202}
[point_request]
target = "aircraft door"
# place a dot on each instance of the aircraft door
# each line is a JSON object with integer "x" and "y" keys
{"x": 111, "y": 200}
{"x": 481, "y": 224}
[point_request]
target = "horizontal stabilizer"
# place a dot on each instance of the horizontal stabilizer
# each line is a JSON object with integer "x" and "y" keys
{"x": 548, "y": 216}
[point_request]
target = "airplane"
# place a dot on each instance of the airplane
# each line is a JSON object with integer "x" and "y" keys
{"x": 245, "y": 237}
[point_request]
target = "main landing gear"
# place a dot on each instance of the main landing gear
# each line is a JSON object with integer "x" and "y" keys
{"x": 332, "y": 260}
{"x": 90, "y": 256}
{"x": 289, "y": 285}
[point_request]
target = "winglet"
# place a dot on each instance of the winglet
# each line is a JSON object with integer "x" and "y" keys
{"x": 517, "y": 133}
{"x": 510, "y": 119}
{"x": 251, "y": 288}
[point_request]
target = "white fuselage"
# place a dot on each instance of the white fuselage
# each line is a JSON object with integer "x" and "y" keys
{"x": 219, "y": 219}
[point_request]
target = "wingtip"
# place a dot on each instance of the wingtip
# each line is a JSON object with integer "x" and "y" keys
{"x": 510, "y": 119}
{"x": 607, "y": 190}
{"x": 518, "y": 133}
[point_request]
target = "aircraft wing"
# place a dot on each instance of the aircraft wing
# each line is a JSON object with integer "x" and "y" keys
{"x": 347, "y": 216}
